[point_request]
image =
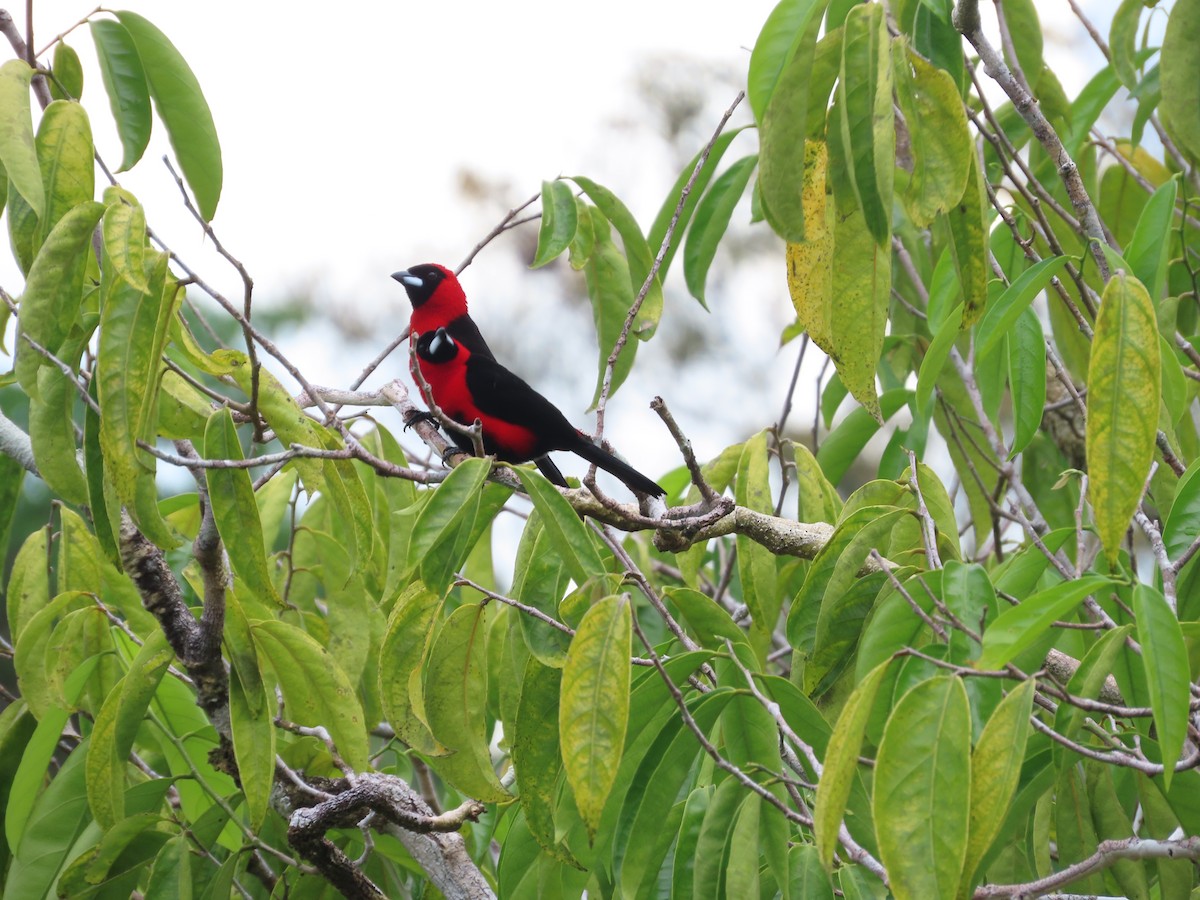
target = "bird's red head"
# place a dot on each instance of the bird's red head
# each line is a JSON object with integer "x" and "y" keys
{"x": 434, "y": 292}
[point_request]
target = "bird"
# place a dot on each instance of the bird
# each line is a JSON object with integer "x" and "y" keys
{"x": 519, "y": 424}
{"x": 439, "y": 301}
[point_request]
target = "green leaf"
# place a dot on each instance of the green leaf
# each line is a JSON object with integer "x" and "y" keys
{"x": 842, "y": 446}
{"x": 1147, "y": 251}
{"x": 1026, "y": 378}
{"x": 535, "y": 751}
{"x": 455, "y": 700}
{"x": 1182, "y": 526}
{"x": 810, "y": 262}
{"x": 133, "y": 333}
{"x": 1180, "y": 106}
{"x": 58, "y": 815}
{"x": 935, "y": 358}
{"x": 638, "y": 255}
{"x": 68, "y": 72}
{"x": 995, "y": 774}
{"x": 968, "y": 221}
{"x": 53, "y": 290}
{"x": 711, "y": 221}
{"x": 124, "y": 233}
{"x": 864, "y": 116}
{"x": 841, "y": 764}
{"x": 1165, "y": 659}
{"x": 755, "y": 563}
{"x": 116, "y": 727}
{"x": 17, "y": 153}
{"x": 400, "y": 657}
{"x": 31, "y": 648}
{"x": 52, "y": 435}
{"x": 315, "y": 689}
{"x": 125, "y": 82}
{"x": 568, "y": 535}
{"x": 773, "y": 50}
{"x": 1124, "y": 389}
{"x": 1020, "y": 627}
{"x": 658, "y": 230}
{"x": 594, "y": 710}
{"x": 809, "y": 880}
{"x": 683, "y": 869}
{"x": 1122, "y": 41}
{"x": 1004, "y": 313}
{"x": 67, "y": 162}
{"x": 606, "y": 272}
{"x": 443, "y": 525}
{"x": 232, "y": 496}
{"x": 183, "y": 110}
{"x": 28, "y": 589}
{"x": 922, "y": 790}
{"x": 783, "y": 127}
{"x": 1026, "y": 31}
{"x": 560, "y": 217}
{"x": 941, "y": 144}
{"x": 253, "y": 728}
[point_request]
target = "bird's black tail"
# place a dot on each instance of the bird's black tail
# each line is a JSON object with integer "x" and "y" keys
{"x": 633, "y": 479}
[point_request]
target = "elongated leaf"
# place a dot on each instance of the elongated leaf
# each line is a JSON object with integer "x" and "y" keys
{"x": 773, "y": 50}
{"x": 535, "y": 750}
{"x": 68, "y": 73}
{"x": 58, "y": 815}
{"x": 253, "y": 728}
{"x": 1019, "y": 627}
{"x": 594, "y": 711}
{"x": 183, "y": 110}
{"x": 810, "y": 262}
{"x": 401, "y": 654}
{"x": 995, "y": 774}
{"x": 968, "y": 244}
{"x": 935, "y": 357}
{"x": 606, "y": 272}
{"x": 125, "y": 82}
{"x": 232, "y": 496}
{"x": 1026, "y": 378}
{"x": 1183, "y": 522}
{"x": 67, "y": 161}
{"x": 1004, "y": 313}
{"x": 53, "y": 290}
{"x": 937, "y": 127}
{"x": 124, "y": 235}
{"x": 841, "y": 764}
{"x": 17, "y": 152}
{"x": 638, "y": 254}
{"x": 782, "y": 131}
{"x": 568, "y": 535}
{"x": 864, "y": 116}
{"x": 1180, "y": 88}
{"x": 711, "y": 221}
{"x": 658, "y": 230}
{"x": 756, "y": 564}
{"x": 448, "y": 516}
{"x": 560, "y": 217}
{"x": 315, "y": 689}
{"x": 455, "y": 699}
{"x": 116, "y": 726}
{"x": 1147, "y": 251}
{"x": 922, "y": 790}
{"x": 52, "y": 435}
{"x": 1165, "y": 659}
{"x": 1122, "y": 40}
{"x": 841, "y": 448}
{"x": 1124, "y": 390}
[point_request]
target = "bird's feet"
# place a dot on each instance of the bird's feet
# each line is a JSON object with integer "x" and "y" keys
{"x": 423, "y": 415}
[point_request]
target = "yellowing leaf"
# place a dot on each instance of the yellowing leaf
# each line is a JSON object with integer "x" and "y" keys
{"x": 810, "y": 262}
{"x": 593, "y": 713}
{"x": 1124, "y": 390}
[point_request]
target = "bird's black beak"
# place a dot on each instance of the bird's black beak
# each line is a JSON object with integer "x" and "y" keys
{"x": 408, "y": 279}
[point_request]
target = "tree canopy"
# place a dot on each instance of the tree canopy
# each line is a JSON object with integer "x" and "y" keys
{"x": 969, "y": 676}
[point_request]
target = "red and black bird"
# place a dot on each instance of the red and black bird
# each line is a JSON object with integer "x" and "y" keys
{"x": 519, "y": 424}
{"x": 439, "y": 301}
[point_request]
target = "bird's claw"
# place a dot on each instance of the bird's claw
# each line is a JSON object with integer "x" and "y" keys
{"x": 423, "y": 415}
